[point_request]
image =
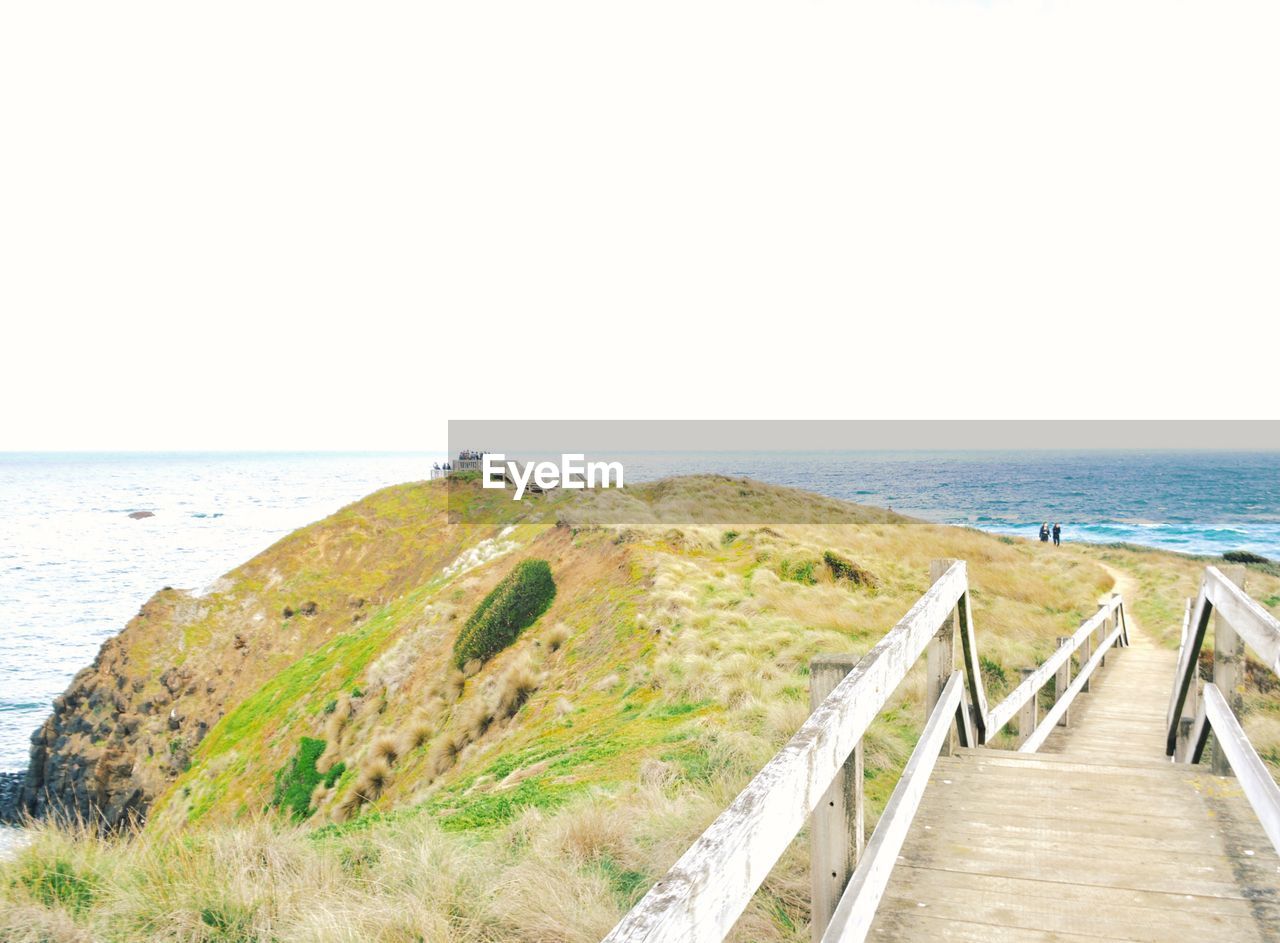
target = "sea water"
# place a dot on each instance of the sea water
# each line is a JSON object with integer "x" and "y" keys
{"x": 74, "y": 567}
{"x": 1191, "y": 502}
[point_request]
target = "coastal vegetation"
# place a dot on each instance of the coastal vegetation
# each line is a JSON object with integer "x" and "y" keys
{"x": 512, "y": 606}
{"x": 485, "y": 720}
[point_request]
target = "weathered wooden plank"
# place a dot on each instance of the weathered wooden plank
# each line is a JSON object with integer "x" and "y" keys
{"x": 857, "y": 908}
{"x": 1098, "y": 917}
{"x": 1175, "y": 909}
{"x": 1259, "y": 628}
{"x": 1243, "y": 616}
{"x": 1197, "y": 738}
{"x": 973, "y": 669}
{"x": 1051, "y": 718}
{"x": 1115, "y": 837}
{"x": 837, "y": 830}
{"x": 1259, "y": 788}
{"x": 1188, "y": 661}
{"x": 1061, "y": 681}
{"x": 1027, "y": 712}
{"x": 964, "y": 724}
{"x": 941, "y": 656}
{"x": 1222, "y": 877}
{"x": 707, "y": 889}
{"x": 1228, "y": 665}
{"x": 915, "y": 927}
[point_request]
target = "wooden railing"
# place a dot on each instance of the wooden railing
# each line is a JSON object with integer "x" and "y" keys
{"x": 1095, "y": 637}
{"x": 818, "y": 774}
{"x": 1239, "y": 621}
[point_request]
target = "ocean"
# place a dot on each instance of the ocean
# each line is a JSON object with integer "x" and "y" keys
{"x": 74, "y": 566}
{"x": 1191, "y": 502}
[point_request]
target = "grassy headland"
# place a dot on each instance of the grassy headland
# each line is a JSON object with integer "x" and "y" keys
{"x": 312, "y": 764}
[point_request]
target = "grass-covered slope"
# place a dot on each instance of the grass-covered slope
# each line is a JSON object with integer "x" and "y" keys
{"x": 353, "y": 783}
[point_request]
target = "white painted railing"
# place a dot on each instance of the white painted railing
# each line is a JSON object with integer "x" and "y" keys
{"x": 818, "y": 773}
{"x": 1095, "y": 637}
{"x": 1239, "y": 621}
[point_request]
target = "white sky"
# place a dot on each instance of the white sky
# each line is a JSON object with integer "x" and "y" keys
{"x": 336, "y": 225}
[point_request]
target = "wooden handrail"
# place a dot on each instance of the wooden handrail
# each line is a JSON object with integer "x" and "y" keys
{"x": 1242, "y": 622}
{"x": 1255, "y": 626}
{"x": 857, "y": 908}
{"x": 1255, "y": 779}
{"x": 1038, "y": 736}
{"x": 707, "y": 889}
{"x": 1005, "y": 711}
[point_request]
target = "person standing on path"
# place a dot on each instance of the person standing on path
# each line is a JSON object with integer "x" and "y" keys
{"x": 1044, "y": 532}
{"x": 1057, "y": 534}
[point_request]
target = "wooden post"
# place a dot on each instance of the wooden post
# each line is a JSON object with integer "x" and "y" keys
{"x": 1103, "y": 631}
{"x": 1086, "y": 651}
{"x": 1182, "y": 750}
{"x": 1061, "y": 681}
{"x": 941, "y": 657}
{"x": 837, "y": 830}
{"x": 1183, "y": 753}
{"x": 1028, "y": 712}
{"x": 1228, "y": 667}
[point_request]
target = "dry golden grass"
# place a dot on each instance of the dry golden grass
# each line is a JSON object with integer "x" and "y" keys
{"x": 543, "y": 878}
{"x": 556, "y": 636}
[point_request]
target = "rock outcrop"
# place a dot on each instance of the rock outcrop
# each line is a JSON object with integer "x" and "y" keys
{"x": 130, "y": 724}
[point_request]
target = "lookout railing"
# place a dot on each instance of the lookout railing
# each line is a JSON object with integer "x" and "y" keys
{"x": 817, "y": 775}
{"x": 1238, "y": 622}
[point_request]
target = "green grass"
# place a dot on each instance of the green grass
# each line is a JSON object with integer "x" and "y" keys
{"x": 58, "y": 884}
{"x": 297, "y": 778}
{"x": 278, "y": 703}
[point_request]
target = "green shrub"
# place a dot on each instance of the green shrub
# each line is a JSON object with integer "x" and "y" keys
{"x": 515, "y": 604}
{"x": 1243, "y": 556}
{"x": 297, "y": 778}
{"x": 334, "y": 774}
{"x": 992, "y": 674}
{"x": 801, "y": 572}
{"x": 728, "y": 537}
{"x": 842, "y": 568}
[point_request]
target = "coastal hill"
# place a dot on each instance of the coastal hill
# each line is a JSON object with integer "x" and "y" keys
{"x": 438, "y": 701}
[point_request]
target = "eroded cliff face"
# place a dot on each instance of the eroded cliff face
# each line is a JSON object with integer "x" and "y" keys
{"x": 85, "y": 757}
{"x": 128, "y": 725}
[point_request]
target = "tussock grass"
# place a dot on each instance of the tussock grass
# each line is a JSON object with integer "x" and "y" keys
{"x": 567, "y": 876}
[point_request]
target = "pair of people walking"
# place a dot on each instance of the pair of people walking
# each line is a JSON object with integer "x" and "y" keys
{"x": 1046, "y": 531}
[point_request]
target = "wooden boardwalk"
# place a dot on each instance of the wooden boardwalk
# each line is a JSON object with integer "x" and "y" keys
{"x": 1096, "y": 837}
{"x": 1104, "y": 825}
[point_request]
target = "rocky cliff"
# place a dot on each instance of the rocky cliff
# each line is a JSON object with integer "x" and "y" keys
{"x": 129, "y": 724}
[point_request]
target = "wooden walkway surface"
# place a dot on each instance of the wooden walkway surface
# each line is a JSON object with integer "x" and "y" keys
{"x": 1096, "y": 837}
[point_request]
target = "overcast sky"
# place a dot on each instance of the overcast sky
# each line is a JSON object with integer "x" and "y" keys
{"x": 337, "y": 225}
